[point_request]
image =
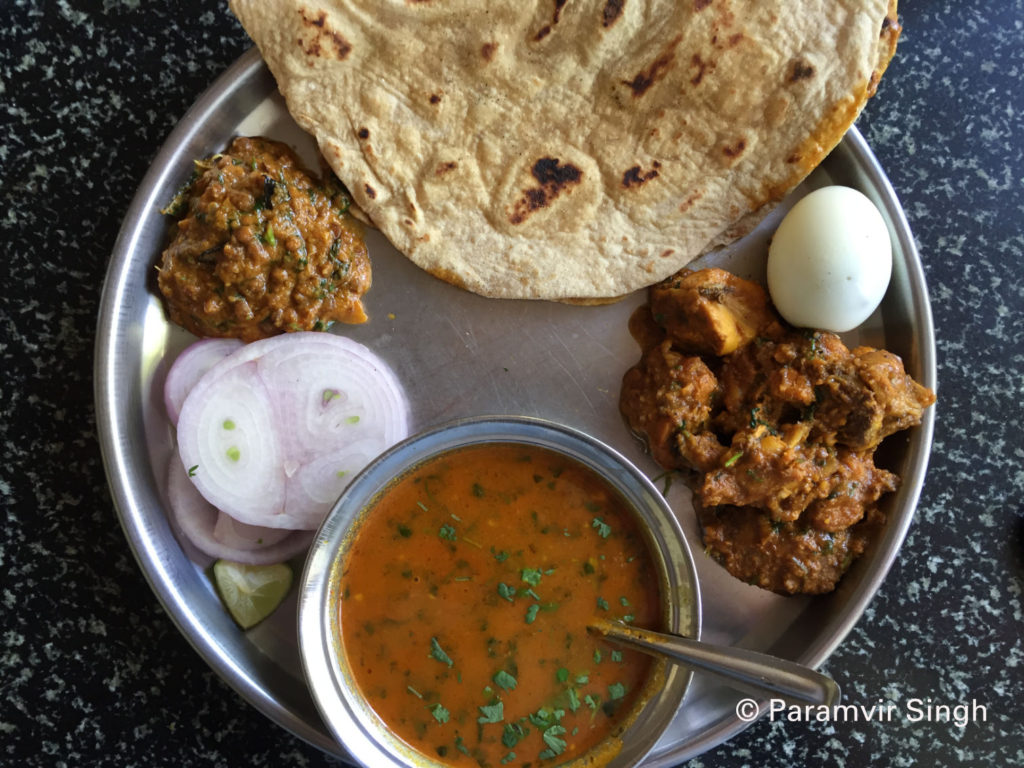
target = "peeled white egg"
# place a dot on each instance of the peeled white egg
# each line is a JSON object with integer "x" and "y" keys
{"x": 830, "y": 260}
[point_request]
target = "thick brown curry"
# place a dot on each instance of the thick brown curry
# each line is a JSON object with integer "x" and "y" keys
{"x": 262, "y": 248}
{"x": 780, "y": 426}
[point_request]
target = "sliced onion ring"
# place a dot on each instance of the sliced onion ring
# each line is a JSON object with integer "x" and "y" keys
{"x": 264, "y": 427}
{"x": 198, "y": 521}
{"x": 189, "y": 367}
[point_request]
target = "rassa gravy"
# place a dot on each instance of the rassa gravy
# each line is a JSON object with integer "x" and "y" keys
{"x": 464, "y": 603}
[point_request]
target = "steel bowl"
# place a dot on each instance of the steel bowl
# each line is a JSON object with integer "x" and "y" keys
{"x": 349, "y": 717}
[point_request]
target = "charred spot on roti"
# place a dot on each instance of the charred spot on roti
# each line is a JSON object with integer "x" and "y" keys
{"x": 553, "y": 178}
{"x": 444, "y": 168}
{"x": 546, "y": 29}
{"x": 700, "y": 5}
{"x": 612, "y": 11}
{"x": 636, "y": 176}
{"x": 657, "y": 69}
{"x": 487, "y": 50}
{"x": 320, "y": 41}
{"x": 700, "y": 66}
{"x": 435, "y": 98}
{"x": 667, "y": 252}
{"x": 800, "y": 70}
{"x": 689, "y": 201}
{"x": 370, "y": 191}
{"x": 363, "y": 133}
{"x": 735, "y": 149}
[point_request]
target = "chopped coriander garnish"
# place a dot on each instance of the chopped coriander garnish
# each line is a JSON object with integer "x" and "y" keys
{"x": 492, "y": 713}
{"x": 513, "y": 734}
{"x": 437, "y": 652}
{"x": 574, "y": 699}
{"x": 503, "y": 679}
{"x": 553, "y": 738}
{"x": 603, "y": 529}
{"x": 531, "y": 576}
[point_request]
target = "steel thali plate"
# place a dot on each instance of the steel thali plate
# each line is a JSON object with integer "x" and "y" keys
{"x": 459, "y": 354}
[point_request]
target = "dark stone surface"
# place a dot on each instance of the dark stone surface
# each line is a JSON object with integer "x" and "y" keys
{"x": 92, "y": 672}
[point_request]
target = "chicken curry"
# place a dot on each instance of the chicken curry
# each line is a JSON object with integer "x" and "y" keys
{"x": 779, "y": 426}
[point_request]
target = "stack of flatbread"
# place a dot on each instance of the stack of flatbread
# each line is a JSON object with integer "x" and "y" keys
{"x": 570, "y": 149}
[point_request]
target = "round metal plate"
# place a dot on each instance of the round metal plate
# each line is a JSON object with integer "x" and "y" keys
{"x": 462, "y": 355}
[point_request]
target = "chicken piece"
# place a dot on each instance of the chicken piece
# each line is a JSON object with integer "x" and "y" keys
{"x": 894, "y": 401}
{"x": 787, "y": 558}
{"x": 857, "y": 485}
{"x": 779, "y": 473}
{"x": 644, "y": 330}
{"x": 710, "y": 312}
{"x": 668, "y": 398}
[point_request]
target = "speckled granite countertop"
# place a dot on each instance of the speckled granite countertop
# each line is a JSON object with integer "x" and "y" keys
{"x": 93, "y": 671}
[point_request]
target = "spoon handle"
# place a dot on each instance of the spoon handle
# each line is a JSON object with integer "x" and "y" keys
{"x": 749, "y": 671}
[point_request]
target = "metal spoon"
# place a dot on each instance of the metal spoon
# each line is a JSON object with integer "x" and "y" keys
{"x": 748, "y": 671}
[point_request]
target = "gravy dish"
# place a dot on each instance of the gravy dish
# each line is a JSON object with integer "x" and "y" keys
{"x": 445, "y": 604}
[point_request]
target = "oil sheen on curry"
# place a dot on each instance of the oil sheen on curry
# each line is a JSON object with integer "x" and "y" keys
{"x": 464, "y": 603}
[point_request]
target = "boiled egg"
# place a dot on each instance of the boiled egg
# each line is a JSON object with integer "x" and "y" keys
{"x": 830, "y": 260}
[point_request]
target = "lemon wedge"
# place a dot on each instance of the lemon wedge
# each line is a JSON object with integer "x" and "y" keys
{"x": 251, "y": 592}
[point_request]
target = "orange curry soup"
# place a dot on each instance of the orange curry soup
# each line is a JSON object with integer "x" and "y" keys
{"x": 465, "y": 600}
